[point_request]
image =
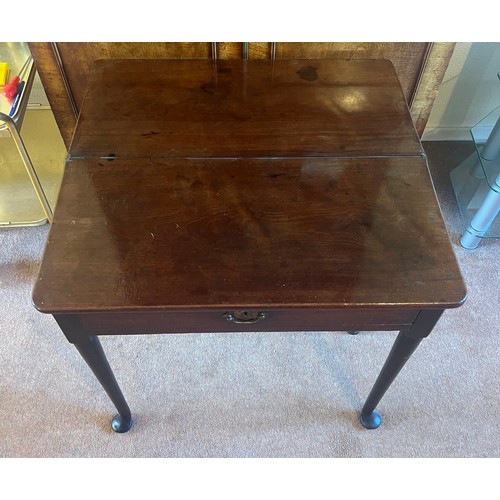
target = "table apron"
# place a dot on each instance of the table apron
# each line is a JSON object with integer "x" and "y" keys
{"x": 303, "y": 319}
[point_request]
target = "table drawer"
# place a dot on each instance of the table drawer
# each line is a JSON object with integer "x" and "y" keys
{"x": 248, "y": 320}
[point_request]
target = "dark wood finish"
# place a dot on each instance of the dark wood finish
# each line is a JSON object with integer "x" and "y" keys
{"x": 78, "y": 57}
{"x": 407, "y": 58}
{"x": 420, "y": 66}
{"x": 145, "y": 240}
{"x": 64, "y": 67}
{"x": 285, "y": 319}
{"x": 91, "y": 351}
{"x": 244, "y": 109}
{"x": 404, "y": 346}
{"x": 156, "y": 234}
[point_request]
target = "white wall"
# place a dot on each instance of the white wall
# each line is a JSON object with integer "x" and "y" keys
{"x": 470, "y": 90}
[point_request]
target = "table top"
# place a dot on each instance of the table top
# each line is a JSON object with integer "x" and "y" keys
{"x": 234, "y": 108}
{"x": 199, "y": 185}
{"x": 200, "y": 234}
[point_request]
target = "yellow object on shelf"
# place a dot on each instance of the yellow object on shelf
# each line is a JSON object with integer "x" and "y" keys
{"x": 4, "y": 73}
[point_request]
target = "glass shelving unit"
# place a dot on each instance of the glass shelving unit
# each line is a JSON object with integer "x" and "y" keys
{"x": 476, "y": 182}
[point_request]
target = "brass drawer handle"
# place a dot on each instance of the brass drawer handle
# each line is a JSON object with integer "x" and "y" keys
{"x": 245, "y": 317}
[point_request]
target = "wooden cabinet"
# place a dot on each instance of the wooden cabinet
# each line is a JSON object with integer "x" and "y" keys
{"x": 64, "y": 66}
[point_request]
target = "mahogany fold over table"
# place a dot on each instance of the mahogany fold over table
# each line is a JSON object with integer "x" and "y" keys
{"x": 233, "y": 196}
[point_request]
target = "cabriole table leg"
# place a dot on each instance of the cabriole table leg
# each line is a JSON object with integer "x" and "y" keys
{"x": 404, "y": 346}
{"x": 93, "y": 354}
{"x": 400, "y": 353}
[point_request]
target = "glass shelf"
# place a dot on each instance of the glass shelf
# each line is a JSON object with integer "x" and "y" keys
{"x": 470, "y": 191}
{"x": 476, "y": 182}
{"x": 488, "y": 129}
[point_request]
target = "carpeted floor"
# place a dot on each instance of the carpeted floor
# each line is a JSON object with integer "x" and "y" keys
{"x": 260, "y": 395}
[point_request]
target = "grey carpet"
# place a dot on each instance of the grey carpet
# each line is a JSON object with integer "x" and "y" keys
{"x": 255, "y": 395}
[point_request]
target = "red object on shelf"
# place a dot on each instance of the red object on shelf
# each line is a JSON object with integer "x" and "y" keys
{"x": 10, "y": 89}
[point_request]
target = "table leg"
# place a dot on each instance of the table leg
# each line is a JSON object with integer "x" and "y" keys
{"x": 92, "y": 352}
{"x": 404, "y": 346}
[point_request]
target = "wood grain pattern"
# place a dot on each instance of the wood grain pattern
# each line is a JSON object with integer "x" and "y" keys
{"x": 180, "y": 234}
{"x": 229, "y": 50}
{"x": 260, "y": 50}
{"x": 78, "y": 57}
{"x": 244, "y": 109}
{"x": 408, "y": 59}
{"x": 420, "y": 66}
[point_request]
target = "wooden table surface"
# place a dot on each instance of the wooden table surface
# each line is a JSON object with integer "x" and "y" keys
{"x": 231, "y": 108}
{"x": 323, "y": 232}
